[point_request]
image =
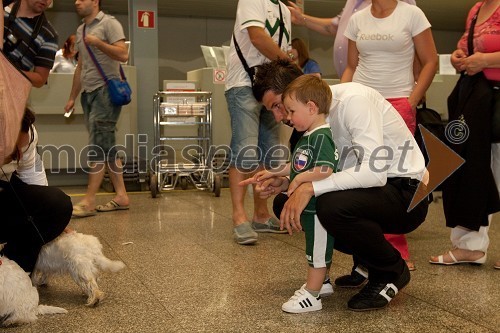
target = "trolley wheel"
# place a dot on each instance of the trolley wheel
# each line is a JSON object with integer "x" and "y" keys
{"x": 183, "y": 182}
{"x": 153, "y": 184}
{"x": 217, "y": 185}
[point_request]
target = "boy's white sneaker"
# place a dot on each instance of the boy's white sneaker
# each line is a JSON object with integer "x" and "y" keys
{"x": 302, "y": 301}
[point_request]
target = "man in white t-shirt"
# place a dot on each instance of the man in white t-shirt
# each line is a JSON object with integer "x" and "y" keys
{"x": 262, "y": 32}
{"x": 380, "y": 170}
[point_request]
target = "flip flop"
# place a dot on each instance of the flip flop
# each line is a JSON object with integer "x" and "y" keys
{"x": 110, "y": 206}
{"x": 80, "y": 211}
{"x": 441, "y": 261}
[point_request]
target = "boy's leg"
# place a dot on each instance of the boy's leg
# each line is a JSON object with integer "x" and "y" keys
{"x": 319, "y": 250}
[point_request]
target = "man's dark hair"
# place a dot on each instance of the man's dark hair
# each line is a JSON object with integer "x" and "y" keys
{"x": 274, "y": 76}
{"x": 28, "y": 120}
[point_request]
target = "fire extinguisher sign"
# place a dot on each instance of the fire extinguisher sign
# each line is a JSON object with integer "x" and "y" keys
{"x": 146, "y": 19}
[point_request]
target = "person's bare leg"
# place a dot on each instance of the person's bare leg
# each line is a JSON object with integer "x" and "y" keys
{"x": 96, "y": 175}
{"x": 315, "y": 278}
{"x": 237, "y": 195}
{"x": 260, "y": 211}
{"x": 115, "y": 169}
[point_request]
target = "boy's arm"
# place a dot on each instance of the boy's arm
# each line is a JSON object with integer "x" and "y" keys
{"x": 261, "y": 176}
{"x": 281, "y": 171}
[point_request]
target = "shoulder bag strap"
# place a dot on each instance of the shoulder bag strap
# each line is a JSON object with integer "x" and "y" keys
{"x": 282, "y": 25}
{"x": 242, "y": 58}
{"x": 94, "y": 59}
{"x": 23, "y": 48}
{"x": 470, "y": 38}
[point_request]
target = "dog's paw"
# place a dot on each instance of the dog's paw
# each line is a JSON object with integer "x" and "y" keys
{"x": 95, "y": 299}
{"x": 38, "y": 278}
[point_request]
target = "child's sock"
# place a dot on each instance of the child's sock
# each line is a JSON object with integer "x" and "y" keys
{"x": 315, "y": 293}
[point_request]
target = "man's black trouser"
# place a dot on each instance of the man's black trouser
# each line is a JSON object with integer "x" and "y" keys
{"x": 359, "y": 218}
{"x": 31, "y": 216}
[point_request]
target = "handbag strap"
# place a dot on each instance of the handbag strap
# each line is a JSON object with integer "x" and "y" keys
{"x": 94, "y": 59}
{"x": 282, "y": 26}
{"x": 470, "y": 38}
{"x": 242, "y": 58}
{"x": 240, "y": 54}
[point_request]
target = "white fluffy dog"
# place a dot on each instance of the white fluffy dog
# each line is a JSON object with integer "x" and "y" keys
{"x": 18, "y": 297}
{"x": 79, "y": 255}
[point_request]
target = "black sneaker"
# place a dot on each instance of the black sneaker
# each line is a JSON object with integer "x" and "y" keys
{"x": 354, "y": 280}
{"x": 376, "y": 295}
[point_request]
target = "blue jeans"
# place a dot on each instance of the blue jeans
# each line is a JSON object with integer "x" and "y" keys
{"x": 100, "y": 119}
{"x": 255, "y": 132}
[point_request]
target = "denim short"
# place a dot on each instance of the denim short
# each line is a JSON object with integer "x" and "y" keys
{"x": 255, "y": 132}
{"x": 100, "y": 118}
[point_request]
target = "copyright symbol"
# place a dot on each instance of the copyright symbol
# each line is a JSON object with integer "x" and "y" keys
{"x": 456, "y": 132}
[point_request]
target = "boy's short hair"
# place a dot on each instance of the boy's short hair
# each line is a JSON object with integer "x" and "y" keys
{"x": 26, "y": 127}
{"x": 310, "y": 88}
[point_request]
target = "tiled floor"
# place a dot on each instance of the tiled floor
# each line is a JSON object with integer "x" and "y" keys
{"x": 184, "y": 273}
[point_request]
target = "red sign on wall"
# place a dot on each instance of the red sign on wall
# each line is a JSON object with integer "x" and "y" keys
{"x": 146, "y": 19}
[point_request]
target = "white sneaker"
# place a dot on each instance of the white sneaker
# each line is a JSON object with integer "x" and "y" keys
{"x": 302, "y": 301}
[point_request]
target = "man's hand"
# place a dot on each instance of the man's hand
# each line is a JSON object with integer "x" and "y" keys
{"x": 293, "y": 186}
{"x": 295, "y": 205}
{"x": 92, "y": 40}
{"x": 69, "y": 106}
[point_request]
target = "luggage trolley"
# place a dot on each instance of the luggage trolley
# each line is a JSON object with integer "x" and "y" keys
{"x": 181, "y": 159}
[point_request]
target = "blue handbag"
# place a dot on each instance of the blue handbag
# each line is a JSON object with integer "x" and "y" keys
{"x": 119, "y": 90}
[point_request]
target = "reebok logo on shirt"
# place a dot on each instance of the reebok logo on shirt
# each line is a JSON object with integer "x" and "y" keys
{"x": 389, "y": 37}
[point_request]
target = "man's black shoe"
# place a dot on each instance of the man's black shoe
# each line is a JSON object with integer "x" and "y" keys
{"x": 353, "y": 280}
{"x": 376, "y": 295}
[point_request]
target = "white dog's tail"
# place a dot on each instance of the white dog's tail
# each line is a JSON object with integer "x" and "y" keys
{"x": 47, "y": 309}
{"x": 106, "y": 264}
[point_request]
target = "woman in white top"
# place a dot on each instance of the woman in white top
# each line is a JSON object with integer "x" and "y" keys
{"x": 66, "y": 60}
{"x": 383, "y": 41}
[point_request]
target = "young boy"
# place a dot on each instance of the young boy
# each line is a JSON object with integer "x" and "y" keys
{"x": 307, "y": 100}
